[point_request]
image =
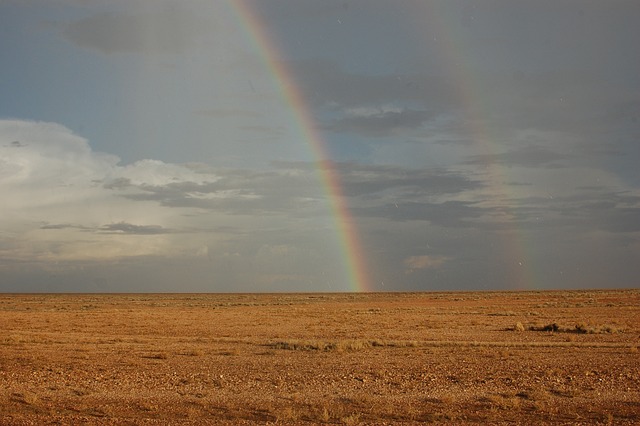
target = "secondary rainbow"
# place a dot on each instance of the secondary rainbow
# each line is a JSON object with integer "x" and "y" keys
{"x": 352, "y": 250}
{"x": 454, "y": 54}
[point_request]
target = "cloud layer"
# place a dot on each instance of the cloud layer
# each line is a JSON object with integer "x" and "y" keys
{"x": 161, "y": 145}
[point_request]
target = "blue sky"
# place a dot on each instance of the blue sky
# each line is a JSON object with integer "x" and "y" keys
{"x": 147, "y": 145}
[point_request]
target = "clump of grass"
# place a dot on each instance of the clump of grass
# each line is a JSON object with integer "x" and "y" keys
{"x": 352, "y": 345}
{"x": 288, "y": 414}
{"x": 341, "y": 345}
{"x": 157, "y": 355}
{"x": 602, "y": 329}
{"x": 503, "y": 314}
{"x": 324, "y": 415}
{"x": 502, "y": 401}
{"x": 303, "y": 345}
{"x": 549, "y": 327}
{"x": 27, "y": 398}
{"x": 351, "y": 419}
{"x": 580, "y": 328}
{"x": 146, "y": 406}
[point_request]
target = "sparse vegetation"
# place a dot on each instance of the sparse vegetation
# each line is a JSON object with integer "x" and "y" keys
{"x": 339, "y": 359}
{"x": 580, "y": 328}
{"x": 341, "y": 345}
{"x": 157, "y": 355}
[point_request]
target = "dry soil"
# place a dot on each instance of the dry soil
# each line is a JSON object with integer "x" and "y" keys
{"x": 562, "y": 357}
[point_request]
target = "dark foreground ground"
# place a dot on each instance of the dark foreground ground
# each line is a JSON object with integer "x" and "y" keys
{"x": 567, "y": 357}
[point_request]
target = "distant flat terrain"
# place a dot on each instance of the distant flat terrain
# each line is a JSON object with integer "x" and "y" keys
{"x": 375, "y": 358}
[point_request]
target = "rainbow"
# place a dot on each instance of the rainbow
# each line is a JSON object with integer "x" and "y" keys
{"x": 352, "y": 250}
{"x": 454, "y": 54}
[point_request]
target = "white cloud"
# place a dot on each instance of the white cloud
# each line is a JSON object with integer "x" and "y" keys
{"x": 58, "y": 205}
{"x": 158, "y": 173}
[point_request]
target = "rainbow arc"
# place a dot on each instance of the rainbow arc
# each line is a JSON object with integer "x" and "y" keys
{"x": 351, "y": 246}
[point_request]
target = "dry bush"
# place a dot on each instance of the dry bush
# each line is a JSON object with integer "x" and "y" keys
{"x": 352, "y": 345}
{"x": 157, "y": 355}
{"x": 502, "y": 401}
{"x": 341, "y": 345}
{"x": 288, "y": 414}
{"x": 303, "y": 345}
{"x": 579, "y": 328}
{"x": 351, "y": 419}
{"x": 26, "y": 397}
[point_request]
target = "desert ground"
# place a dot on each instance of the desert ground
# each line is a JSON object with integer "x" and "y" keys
{"x": 537, "y": 357}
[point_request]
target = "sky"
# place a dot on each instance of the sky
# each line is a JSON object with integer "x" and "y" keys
{"x": 319, "y": 146}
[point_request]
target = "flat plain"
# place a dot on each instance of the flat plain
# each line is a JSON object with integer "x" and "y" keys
{"x": 534, "y": 357}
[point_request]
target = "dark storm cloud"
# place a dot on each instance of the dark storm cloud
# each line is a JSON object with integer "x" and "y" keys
{"x": 131, "y": 229}
{"x": 382, "y": 123}
{"x": 527, "y": 156}
{"x": 61, "y": 226}
{"x": 265, "y": 131}
{"x": 451, "y": 214}
{"x": 607, "y": 211}
{"x": 367, "y": 179}
{"x": 570, "y": 101}
{"x": 590, "y": 209}
{"x": 161, "y": 31}
{"x": 227, "y": 113}
{"x": 291, "y": 187}
{"x": 113, "y": 228}
{"x": 235, "y": 192}
{"x": 325, "y": 84}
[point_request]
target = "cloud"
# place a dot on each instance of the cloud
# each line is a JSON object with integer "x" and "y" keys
{"x": 67, "y": 208}
{"x": 380, "y": 122}
{"x": 61, "y": 200}
{"x": 324, "y": 83}
{"x": 414, "y": 263}
{"x": 130, "y": 229}
{"x": 527, "y": 156}
{"x": 368, "y": 179}
{"x": 608, "y": 211}
{"x": 228, "y": 113}
{"x": 291, "y": 188}
{"x": 156, "y": 31}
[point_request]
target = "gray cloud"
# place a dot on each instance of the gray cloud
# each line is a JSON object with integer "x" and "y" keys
{"x": 451, "y": 214}
{"x": 291, "y": 188}
{"x": 61, "y": 226}
{"x": 607, "y": 211}
{"x": 131, "y": 229}
{"x": 160, "y": 31}
{"x": 527, "y": 156}
{"x": 365, "y": 180}
{"x": 493, "y": 147}
{"x": 326, "y": 84}
{"x": 381, "y": 123}
{"x": 227, "y": 112}
{"x": 120, "y": 228}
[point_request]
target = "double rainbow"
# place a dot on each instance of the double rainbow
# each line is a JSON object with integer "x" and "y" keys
{"x": 454, "y": 55}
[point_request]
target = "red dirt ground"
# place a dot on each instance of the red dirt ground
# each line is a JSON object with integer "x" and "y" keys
{"x": 561, "y": 357}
